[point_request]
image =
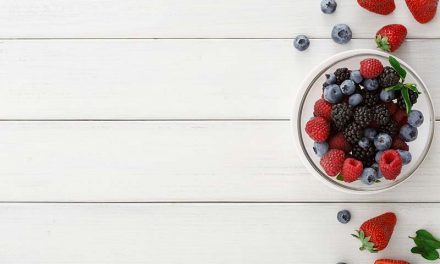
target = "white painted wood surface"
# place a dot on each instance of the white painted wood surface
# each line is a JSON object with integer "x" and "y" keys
{"x": 194, "y": 18}
{"x": 200, "y": 233}
{"x": 192, "y": 79}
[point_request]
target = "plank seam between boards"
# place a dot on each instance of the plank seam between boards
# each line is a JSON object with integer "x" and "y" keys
{"x": 218, "y": 202}
{"x": 201, "y": 38}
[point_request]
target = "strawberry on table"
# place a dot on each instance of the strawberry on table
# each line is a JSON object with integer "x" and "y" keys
{"x": 390, "y": 261}
{"x": 382, "y": 7}
{"x": 390, "y": 37}
{"x": 332, "y": 162}
{"x": 371, "y": 68}
{"x": 318, "y": 129}
{"x": 375, "y": 234}
{"x": 422, "y": 10}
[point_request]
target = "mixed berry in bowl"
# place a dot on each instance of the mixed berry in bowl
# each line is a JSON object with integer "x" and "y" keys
{"x": 360, "y": 130}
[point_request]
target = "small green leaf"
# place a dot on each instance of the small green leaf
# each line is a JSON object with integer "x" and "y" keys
{"x": 426, "y": 245}
{"x": 416, "y": 250}
{"x": 427, "y": 238}
{"x": 340, "y": 177}
{"x": 405, "y": 95}
{"x": 396, "y": 87}
{"x": 396, "y": 65}
{"x": 430, "y": 255}
{"x": 412, "y": 87}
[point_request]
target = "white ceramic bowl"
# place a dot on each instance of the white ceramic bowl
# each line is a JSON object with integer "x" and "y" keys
{"x": 311, "y": 90}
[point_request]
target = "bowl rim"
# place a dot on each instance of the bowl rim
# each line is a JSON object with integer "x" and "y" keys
{"x": 305, "y": 86}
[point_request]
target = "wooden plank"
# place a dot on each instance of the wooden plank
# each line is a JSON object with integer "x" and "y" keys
{"x": 172, "y": 161}
{"x": 200, "y": 233}
{"x": 192, "y": 79}
{"x": 194, "y": 19}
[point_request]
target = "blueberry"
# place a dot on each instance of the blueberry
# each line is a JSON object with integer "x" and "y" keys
{"x": 356, "y": 77}
{"x": 382, "y": 141}
{"x": 341, "y": 33}
{"x": 370, "y": 84}
{"x": 333, "y": 94}
{"x": 355, "y": 99}
{"x": 415, "y": 118}
{"x": 408, "y": 133}
{"x": 320, "y": 148}
{"x": 370, "y": 133}
{"x": 331, "y": 78}
{"x": 377, "y": 157}
{"x": 344, "y": 216}
{"x": 328, "y": 6}
{"x": 368, "y": 176}
{"x": 301, "y": 42}
{"x": 348, "y": 87}
{"x": 379, "y": 174}
{"x": 405, "y": 155}
{"x": 364, "y": 143}
{"x": 387, "y": 96}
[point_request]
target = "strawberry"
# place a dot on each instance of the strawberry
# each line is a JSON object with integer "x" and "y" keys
{"x": 401, "y": 117}
{"x": 390, "y": 164}
{"x": 376, "y": 232}
{"x": 318, "y": 129}
{"x": 382, "y": 7}
{"x": 371, "y": 68}
{"x": 392, "y": 107}
{"x": 390, "y": 261}
{"x": 338, "y": 141}
{"x": 398, "y": 143}
{"x": 323, "y": 109}
{"x": 351, "y": 170}
{"x": 390, "y": 37}
{"x": 422, "y": 10}
{"x": 332, "y": 162}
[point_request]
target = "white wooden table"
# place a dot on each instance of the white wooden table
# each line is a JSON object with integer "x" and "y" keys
{"x": 157, "y": 131}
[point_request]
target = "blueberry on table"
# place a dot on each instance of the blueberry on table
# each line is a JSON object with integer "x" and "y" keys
{"x": 301, "y": 42}
{"x": 382, "y": 141}
{"x": 333, "y": 94}
{"x": 344, "y": 216}
{"x": 415, "y": 118}
{"x": 341, "y": 34}
{"x": 328, "y": 6}
{"x": 408, "y": 133}
{"x": 368, "y": 176}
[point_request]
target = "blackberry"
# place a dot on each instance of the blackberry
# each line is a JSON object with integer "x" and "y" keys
{"x": 342, "y": 74}
{"x": 341, "y": 115}
{"x": 353, "y": 133}
{"x": 412, "y": 96}
{"x": 370, "y": 98}
{"x": 363, "y": 116}
{"x": 391, "y": 128}
{"x": 389, "y": 77}
{"x": 381, "y": 114}
{"x": 366, "y": 156}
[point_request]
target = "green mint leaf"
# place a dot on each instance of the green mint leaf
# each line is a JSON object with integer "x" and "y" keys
{"x": 340, "y": 177}
{"x": 396, "y": 65}
{"x": 427, "y": 238}
{"x": 396, "y": 87}
{"x": 405, "y": 95}
{"x": 430, "y": 255}
{"x": 412, "y": 87}
{"x": 426, "y": 245}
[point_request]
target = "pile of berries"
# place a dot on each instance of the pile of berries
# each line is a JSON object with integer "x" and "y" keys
{"x": 363, "y": 121}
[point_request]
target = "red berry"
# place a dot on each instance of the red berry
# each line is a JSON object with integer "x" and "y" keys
{"x": 390, "y": 261}
{"x": 338, "y": 141}
{"x": 351, "y": 169}
{"x": 371, "y": 68}
{"x": 382, "y": 7}
{"x": 392, "y": 107}
{"x": 390, "y": 164}
{"x": 398, "y": 143}
{"x": 323, "y": 109}
{"x": 332, "y": 162}
{"x": 318, "y": 129}
{"x": 422, "y": 10}
{"x": 401, "y": 117}
{"x": 390, "y": 37}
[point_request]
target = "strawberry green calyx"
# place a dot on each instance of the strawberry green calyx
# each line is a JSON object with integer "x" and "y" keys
{"x": 366, "y": 243}
{"x": 382, "y": 43}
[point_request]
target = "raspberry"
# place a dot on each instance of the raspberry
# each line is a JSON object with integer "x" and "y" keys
{"x": 338, "y": 141}
{"x": 398, "y": 143}
{"x": 392, "y": 107}
{"x": 371, "y": 68}
{"x": 390, "y": 164}
{"x": 400, "y": 117}
{"x": 323, "y": 109}
{"x": 351, "y": 170}
{"x": 318, "y": 129}
{"x": 332, "y": 162}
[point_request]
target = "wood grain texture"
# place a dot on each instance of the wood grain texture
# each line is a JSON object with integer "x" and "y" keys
{"x": 170, "y": 79}
{"x": 194, "y": 19}
{"x": 172, "y": 161}
{"x": 200, "y": 233}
